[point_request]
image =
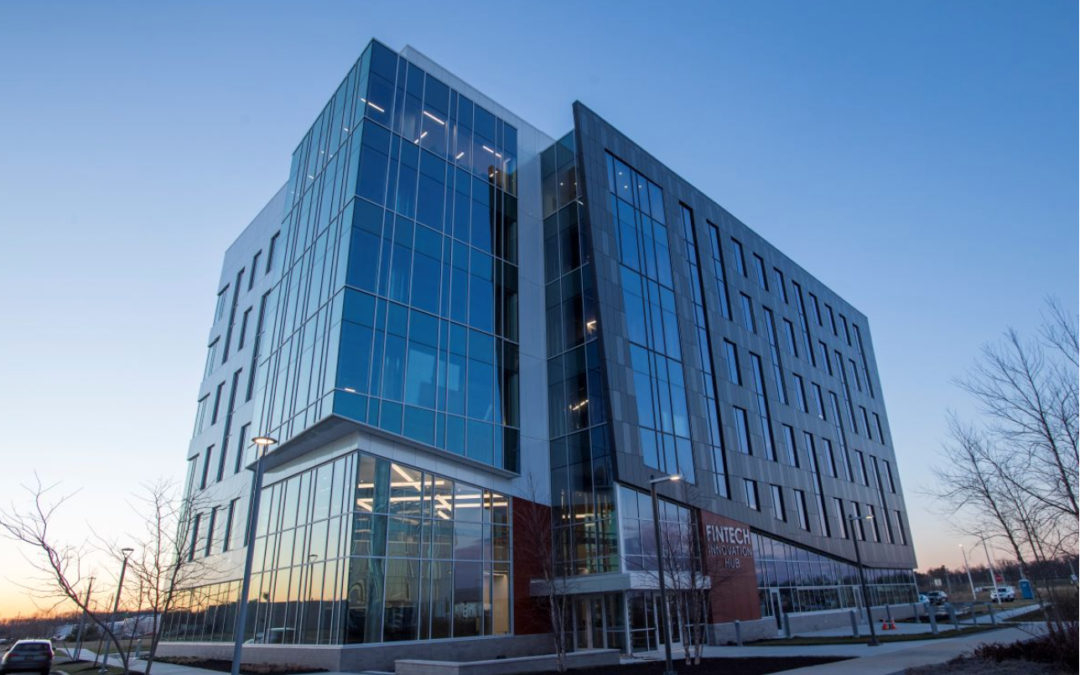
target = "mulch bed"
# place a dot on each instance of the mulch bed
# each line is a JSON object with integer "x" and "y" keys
{"x": 714, "y": 666}
{"x": 224, "y": 666}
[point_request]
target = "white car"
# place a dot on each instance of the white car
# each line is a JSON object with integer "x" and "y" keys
{"x": 1003, "y": 593}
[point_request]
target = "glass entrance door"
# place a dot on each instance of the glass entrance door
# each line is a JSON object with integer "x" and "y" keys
{"x": 589, "y": 622}
{"x": 777, "y": 607}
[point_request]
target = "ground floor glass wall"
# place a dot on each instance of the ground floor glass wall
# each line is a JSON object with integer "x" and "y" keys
{"x": 794, "y": 579}
{"x": 363, "y": 550}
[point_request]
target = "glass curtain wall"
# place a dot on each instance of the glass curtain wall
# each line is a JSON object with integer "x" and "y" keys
{"x": 583, "y": 504}
{"x": 808, "y": 582}
{"x": 398, "y": 301}
{"x": 364, "y": 550}
{"x": 652, "y": 323}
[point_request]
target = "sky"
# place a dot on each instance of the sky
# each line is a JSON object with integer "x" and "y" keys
{"x": 917, "y": 157}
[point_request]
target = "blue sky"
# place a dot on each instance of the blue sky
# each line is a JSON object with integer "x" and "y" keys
{"x": 917, "y": 157}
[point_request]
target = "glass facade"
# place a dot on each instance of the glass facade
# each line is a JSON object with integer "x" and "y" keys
{"x": 651, "y": 320}
{"x": 364, "y": 550}
{"x": 398, "y": 299}
{"x": 583, "y": 503}
{"x": 794, "y": 579}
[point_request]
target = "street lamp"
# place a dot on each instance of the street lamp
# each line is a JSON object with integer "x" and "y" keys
{"x": 968, "y": 568}
{"x": 653, "y": 482}
{"x": 854, "y": 520}
{"x": 116, "y": 607}
{"x": 993, "y": 576}
{"x": 263, "y": 443}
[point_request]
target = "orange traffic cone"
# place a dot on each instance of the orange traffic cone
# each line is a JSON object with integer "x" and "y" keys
{"x": 892, "y": 625}
{"x": 884, "y": 625}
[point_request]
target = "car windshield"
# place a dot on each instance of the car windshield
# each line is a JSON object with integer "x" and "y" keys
{"x": 32, "y": 647}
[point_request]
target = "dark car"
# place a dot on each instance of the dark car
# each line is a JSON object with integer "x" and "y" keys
{"x": 28, "y": 655}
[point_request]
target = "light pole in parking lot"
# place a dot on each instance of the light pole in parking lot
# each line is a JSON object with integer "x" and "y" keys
{"x": 116, "y": 607}
{"x": 993, "y": 576}
{"x": 968, "y": 568}
{"x": 854, "y": 521}
{"x": 263, "y": 444}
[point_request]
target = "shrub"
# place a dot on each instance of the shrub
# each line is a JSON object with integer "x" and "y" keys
{"x": 1059, "y": 648}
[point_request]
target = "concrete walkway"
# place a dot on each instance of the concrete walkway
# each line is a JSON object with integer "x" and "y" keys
{"x": 924, "y": 627}
{"x": 887, "y": 659}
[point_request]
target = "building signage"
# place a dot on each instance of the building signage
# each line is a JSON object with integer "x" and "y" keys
{"x": 729, "y": 562}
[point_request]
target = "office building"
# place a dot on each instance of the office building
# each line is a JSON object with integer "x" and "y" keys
{"x": 447, "y": 319}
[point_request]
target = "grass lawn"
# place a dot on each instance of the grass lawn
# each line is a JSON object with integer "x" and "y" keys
{"x": 85, "y": 668}
{"x": 841, "y": 640}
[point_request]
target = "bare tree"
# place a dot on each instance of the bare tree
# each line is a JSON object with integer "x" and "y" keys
{"x": 1011, "y": 477}
{"x": 63, "y": 567}
{"x": 163, "y": 564}
{"x": 534, "y": 536}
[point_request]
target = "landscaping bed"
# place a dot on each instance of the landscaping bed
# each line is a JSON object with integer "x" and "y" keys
{"x": 225, "y": 666}
{"x": 732, "y": 666}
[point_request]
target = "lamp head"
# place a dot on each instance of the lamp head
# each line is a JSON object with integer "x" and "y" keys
{"x": 264, "y": 441}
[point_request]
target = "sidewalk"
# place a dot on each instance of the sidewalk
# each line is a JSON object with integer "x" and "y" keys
{"x": 905, "y": 628}
{"x": 887, "y": 659}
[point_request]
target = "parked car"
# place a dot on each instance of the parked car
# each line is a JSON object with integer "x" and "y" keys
{"x": 28, "y": 655}
{"x": 923, "y": 600}
{"x": 1003, "y": 593}
{"x": 937, "y": 597}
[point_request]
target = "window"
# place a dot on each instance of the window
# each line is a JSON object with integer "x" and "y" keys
{"x": 874, "y": 523}
{"x": 211, "y": 357}
{"x": 732, "y": 362}
{"x": 844, "y": 326}
{"x": 244, "y": 328}
{"x": 800, "y": 393}
{"x": 718, "y": 270}
{"x": 880, "y": 430}
{"x": 814, "y": 307}
{"x": 195, "y": 528}
{"x": 900, "y": 528}
{"x": 866, "y": 422}
{"x": 230, "y": 526}
{"x": 241, "y": 447}
{"x": 210, "y": 527}
{"x": 781, "y": 287}
{"x": 759, "y": 266}
{"x": 219, "y": 310}
{"x": 207, "y": 457}
{"x": 839, "y": 511}
{"x": 254, "y": 268}
{"x": 889, "y": 476}
{"x": 800, "y": 509}
{"x": 217, "y": 403}
{"x": 803, "y": 320}
{"x": 819, "y": 491}
{"x": 778, "y": 503}
{"x": 860, "y": 466}
{"x": 748, "y": 313}
{"x": 789, "y": 441}
{"x": 774, "y": 352}
{"x": 200, "y": 415}
{"x": 832, "y": 318}
{"x": 750, "y": 489}
{"x": 763, "y": 405}
{"x": 742, "y": 430}
{"x": 860, "y": 529}
{"x": 740, "y": 257}
{"x": 789, "y": 333}
{"x": 825, "y": 356}
{"x": 862, "y": 357}
{"x": 273, "y": 252}
{"x": 818, "y": 400}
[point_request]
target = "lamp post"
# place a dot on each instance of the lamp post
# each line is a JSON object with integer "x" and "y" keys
{"x": 116, "y": 607}
{"x": 653, "y": 482}
{"x": 853, "y": 521}
{"x": 82, "y": 620}
{"x": 968, "y": 568}
{"x": 262, "y": 443}
{"x": 993, "y": 577}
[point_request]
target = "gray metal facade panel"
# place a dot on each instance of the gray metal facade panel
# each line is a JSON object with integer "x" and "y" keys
{"x": 594, "y": 138}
